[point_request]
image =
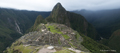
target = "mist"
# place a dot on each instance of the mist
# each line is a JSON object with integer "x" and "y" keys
{"x": 47, "y": 5}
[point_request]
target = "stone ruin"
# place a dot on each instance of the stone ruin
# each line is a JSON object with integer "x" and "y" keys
{"x": 44, "y": 36}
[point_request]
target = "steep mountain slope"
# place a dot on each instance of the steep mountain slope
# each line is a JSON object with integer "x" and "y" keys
{"x": 14, "y": 23}
{"x": 107, "y": 23}
{"x": 76, "y": 21}
{"x": 114, "y": 42}
{"x": 59, "y": 15}
{"x": 38, "y": 20}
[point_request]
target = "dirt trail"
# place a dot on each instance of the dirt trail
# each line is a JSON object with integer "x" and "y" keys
{"x": 45, "y": 50}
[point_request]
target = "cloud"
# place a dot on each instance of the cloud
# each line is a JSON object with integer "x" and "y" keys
{"x": 47, "y": 5}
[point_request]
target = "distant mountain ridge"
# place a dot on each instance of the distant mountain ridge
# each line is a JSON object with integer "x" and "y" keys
{"x": 14, "y": 23}
{"x": 107, "y": 23}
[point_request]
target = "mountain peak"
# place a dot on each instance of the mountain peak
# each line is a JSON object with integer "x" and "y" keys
{"x": 58, "y": 3}
{"x": 59, "y": 15}
{"x": 58, "y": 6}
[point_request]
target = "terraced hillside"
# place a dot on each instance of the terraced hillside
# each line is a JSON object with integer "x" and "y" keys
{"x": 59, "y": 36}
{"x": 48, "y": 34}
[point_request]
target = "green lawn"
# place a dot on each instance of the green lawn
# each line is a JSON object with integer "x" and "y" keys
{"x": 66, "y": 36}
{"x": 53, "y": 30}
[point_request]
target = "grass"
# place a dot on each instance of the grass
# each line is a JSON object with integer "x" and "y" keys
{"x": 77, "y": 36}
{"x": 53, "y": 30}
{"x": 23, "y": 49}
{"x": 63, "y": 51}
{"x": 72, "y": 45}
{"x": 59, "y": 41}
{"x": 92, "y": 45}
{"x": 113, "y": 41}
{"x": 66, "y": 36}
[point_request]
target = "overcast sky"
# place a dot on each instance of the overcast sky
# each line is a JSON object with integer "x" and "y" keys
{"x": 47, "y": 5}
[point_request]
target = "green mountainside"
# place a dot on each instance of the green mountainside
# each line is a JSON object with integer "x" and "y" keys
{"x": 105, "y": 21}
{"x": 38, "y": 20}
{"x": 65, "y": 31}
{"x": 107, "y": 24}
{"x": 58, "y": 31}
{"x": 14, "y": 23}
{"x": 114, "y": 42}
{"x": 59, "y": 15}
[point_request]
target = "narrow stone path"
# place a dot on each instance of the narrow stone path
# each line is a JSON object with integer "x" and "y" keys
{"x": 38, "y": 38}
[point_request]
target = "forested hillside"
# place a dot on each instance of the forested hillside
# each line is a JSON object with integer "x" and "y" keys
{"x": 107, "y": 24}
{"x": 105, "y": 21}
{"x": 14, "y": 23}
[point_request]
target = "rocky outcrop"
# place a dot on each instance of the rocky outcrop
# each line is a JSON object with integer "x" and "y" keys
{"x": 17, "y": 28}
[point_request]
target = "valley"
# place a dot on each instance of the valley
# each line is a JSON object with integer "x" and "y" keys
{"x": 107, "y": 24}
